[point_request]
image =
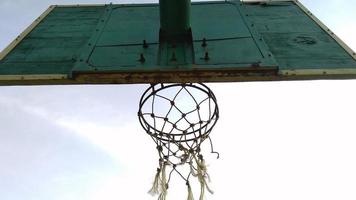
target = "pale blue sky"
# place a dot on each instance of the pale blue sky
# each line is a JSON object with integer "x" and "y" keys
{"x": 280, "y": 140}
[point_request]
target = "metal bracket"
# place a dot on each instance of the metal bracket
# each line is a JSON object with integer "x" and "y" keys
{"x": 268, "y": 58}
{"x": 82, "y": 63}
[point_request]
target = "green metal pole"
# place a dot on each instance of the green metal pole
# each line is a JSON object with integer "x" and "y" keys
{"x": 175, "y": 17}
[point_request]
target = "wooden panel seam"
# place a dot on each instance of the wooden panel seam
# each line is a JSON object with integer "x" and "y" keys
{"x": 256, "y": 36}
{"x": 326, "y": 29}
{"x": 28, "y": 30}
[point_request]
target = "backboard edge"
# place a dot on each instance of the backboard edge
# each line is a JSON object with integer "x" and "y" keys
{"x": 211, "y": 76}
{"x": 265, "y": 1}
{"x": 311, "y": 72}
{"x": 80, "y": 5}
{"x": 19, "y": 38}
{"x": 326, "y": 29}
{"x": 33, "y": 77}
{"x": 173, "y": 77}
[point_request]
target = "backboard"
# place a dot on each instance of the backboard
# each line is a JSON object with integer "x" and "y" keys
{"x": 227, "y": 41}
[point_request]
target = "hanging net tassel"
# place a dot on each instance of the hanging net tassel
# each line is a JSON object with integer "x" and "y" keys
{"x": 164, "y": 183}
{"x": 190, "y": 192}
{"x": 155, "y": 190}
{"x": 203, "y": 176}
{"x": 160, "y": 184}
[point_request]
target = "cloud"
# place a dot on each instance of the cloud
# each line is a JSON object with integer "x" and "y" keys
{"x": 41, "y": 160}
{"x": 107, "y": 105}
{"x": 65, "y": 123}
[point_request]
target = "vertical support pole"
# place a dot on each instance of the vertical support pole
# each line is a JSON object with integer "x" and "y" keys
{"x": 174, "y": 17}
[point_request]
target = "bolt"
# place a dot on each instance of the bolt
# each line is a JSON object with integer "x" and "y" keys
{"x": 145, "y": 45}
{"x": 204, "y": 43}
{"x": 174, "y": 58}
{"x": 206, "y": 57}
{"x": 142, "y": 58}
{"x": 255, "y": 64}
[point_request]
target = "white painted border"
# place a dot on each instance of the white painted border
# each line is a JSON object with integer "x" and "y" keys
{"x": 28, "y": 30}
{"x": 33, "y": 77}
{"x": 326, "y": 29}
{"x": 312, "y": 72}
{"x": 80, "y": 5}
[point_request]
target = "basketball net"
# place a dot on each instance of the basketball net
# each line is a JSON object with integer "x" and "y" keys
{"x": 179, "y": 118}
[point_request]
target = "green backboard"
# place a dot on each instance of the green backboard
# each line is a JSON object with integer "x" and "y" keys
{"x": 228, "y": 41}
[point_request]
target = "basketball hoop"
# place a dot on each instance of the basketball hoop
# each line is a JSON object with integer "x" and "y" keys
{"x": 179, "y": 118}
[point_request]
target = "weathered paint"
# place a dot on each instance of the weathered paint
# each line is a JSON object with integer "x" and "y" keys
{"x": 326, "y": 29}
{"x": 229, "y": 41}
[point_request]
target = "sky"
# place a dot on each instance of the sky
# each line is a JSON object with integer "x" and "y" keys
{"x": 277, "y": 140}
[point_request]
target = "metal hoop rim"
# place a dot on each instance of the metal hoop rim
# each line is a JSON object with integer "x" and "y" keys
{"x": 146, "y": 126}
